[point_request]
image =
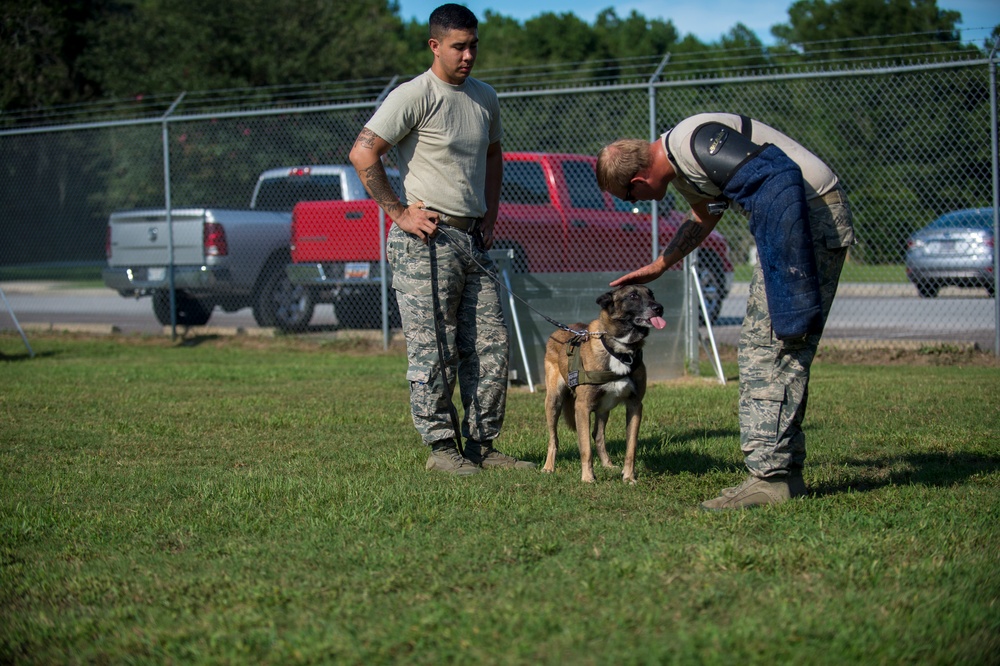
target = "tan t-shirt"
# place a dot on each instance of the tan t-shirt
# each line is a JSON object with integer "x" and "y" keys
{"x": 442, "y": 132}
{"x": 693, "y": 183}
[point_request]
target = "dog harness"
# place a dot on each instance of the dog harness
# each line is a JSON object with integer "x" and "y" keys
{"x": 577, "y": 375}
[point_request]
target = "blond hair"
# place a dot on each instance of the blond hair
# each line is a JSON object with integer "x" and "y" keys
{"x": 619, "y": 162}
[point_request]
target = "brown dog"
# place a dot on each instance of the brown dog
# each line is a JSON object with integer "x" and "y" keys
{"x": 607, "y": 370}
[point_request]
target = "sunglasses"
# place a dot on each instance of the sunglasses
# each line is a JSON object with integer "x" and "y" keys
{"x": 628, "y": 192}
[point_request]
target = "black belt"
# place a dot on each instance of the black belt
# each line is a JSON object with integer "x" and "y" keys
{"x": 466, "y": 224}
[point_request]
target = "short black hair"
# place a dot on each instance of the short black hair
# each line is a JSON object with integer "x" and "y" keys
{"x": 452, "y": 17}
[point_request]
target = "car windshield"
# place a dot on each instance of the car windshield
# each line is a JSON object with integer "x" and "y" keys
{"x": 981, "y": 218}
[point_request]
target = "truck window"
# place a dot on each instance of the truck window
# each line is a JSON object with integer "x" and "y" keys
{"x": 524, "y": 183}
{"x": 582, "y": 183}
{"x": 281, "y": 194}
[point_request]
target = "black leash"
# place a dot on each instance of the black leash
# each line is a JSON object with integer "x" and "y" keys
{"x": 438, "y": 336}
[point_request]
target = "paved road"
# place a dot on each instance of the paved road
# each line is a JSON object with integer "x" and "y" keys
{"x": 862, "y": 312}
{"x": 894, "y": 312}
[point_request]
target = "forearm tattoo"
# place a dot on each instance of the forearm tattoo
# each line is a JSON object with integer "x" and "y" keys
{"x": 377, "y": 183}
{"x": 689, "y": 236}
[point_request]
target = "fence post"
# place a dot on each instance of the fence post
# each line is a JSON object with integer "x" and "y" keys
{"x": 996, "y": 197}
{"x": 170, "y": 219}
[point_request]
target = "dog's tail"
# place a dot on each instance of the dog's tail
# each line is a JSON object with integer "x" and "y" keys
{"x": 569, "y": 412}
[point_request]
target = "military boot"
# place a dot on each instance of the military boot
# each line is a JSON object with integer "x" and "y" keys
{"x": 755, "y": 491}
{"x": 446, "y": 458}
{"x": 483, "y": 453}
{"x": 796, "y": 485}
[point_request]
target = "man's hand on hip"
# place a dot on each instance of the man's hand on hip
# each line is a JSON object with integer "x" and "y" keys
{"x": 417, "y": 220}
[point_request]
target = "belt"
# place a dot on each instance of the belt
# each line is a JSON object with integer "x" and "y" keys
{"x": 466, "y": 224}
{"x": 834, "y": 196}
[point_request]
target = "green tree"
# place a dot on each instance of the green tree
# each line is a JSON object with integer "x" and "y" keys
{"x": 820, "y": 28}
{"x": 152, "y": 46}
{"x": 40, "y": 42}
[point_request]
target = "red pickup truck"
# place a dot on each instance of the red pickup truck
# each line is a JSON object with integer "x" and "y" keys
{"x": 552, "y": 215}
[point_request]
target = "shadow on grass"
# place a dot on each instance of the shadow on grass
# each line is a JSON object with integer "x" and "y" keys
{"x": 196, "y": 340}
{"x": 649, "y": 452}
{"x": 926, "y": 469}
{"x": 865, "y": 475}
{"x": 13, "y": 358}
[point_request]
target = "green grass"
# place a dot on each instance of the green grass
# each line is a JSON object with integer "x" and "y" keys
{"x": 239, "y": 501}
{"x": 83, "y": 276}
{"x": 90, "y": 276}
{"x": 853, "y": 272}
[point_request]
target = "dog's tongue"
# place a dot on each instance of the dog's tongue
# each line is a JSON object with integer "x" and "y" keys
{"x": 657, "y": 322}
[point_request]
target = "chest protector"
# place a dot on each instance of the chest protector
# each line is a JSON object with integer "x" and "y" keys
{"x": 721, "y": 151}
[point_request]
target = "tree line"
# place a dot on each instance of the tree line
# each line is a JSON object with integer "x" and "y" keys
{"x": 58, "y": 52}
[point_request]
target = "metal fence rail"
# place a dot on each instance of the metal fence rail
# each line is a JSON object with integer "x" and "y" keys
{"x": 910, "y": 144}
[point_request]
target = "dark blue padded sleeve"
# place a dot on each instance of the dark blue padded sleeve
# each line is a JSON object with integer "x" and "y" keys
{"x": 769, "y": 187}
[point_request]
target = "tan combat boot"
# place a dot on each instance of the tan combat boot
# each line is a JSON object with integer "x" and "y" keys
{"x": 755, "y": 491}
{"x": 483, "y": 453}
{"x": 446, "y": 458}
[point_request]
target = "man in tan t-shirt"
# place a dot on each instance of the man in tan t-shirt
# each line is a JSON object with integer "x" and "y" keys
{"x": 446, "y": 126}
{"x": 802, "y": 223}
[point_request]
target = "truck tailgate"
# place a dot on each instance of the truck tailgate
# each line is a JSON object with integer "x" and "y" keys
{"x": 327, "y": 231}
{"x": 142, "y": 237}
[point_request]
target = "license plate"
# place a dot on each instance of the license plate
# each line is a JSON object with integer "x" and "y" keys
{"x": 156, "y": 273}
{"x": 356, "y": 271}
{"x": 941, "y": 247}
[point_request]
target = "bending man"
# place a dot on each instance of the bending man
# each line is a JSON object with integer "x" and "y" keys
{"x": 801, "y": 222}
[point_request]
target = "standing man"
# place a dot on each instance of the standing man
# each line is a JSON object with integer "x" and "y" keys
{"x": 801, "y": 221}
{"x": 446, "y": 125}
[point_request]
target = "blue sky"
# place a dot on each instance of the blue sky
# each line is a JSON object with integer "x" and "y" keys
{"x": 705, "y": 20}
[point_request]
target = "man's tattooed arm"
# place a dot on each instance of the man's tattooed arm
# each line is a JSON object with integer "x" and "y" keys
{"x": 377, "y": 183}
{"x": 689, "y": 236}
{"x": 375, "y": 179}
{"x": 366, "y": 139}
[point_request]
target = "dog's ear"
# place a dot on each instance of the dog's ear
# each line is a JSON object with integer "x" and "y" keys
{"x": 604, "y": 300}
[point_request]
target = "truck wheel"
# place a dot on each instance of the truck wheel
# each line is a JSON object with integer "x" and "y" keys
{"x": 927, "y": 289}
{"x": 362, "y": 308}
{"x": 279, "y": 303}
{"x": 713, "y": 284}
{"x": 190, "y": 311}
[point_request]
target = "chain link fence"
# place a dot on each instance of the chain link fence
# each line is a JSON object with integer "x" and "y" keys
{"x": 910, "y": 144}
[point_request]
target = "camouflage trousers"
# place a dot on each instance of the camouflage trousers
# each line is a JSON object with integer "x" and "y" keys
{"x": 774, "y": 374}
{"x": 455, "y": 330}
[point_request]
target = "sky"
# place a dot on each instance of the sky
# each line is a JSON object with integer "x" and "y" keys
{"x": 707, "y": 21}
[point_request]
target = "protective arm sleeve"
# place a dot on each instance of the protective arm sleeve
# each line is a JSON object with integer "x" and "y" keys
{"x": 769, "y": 186}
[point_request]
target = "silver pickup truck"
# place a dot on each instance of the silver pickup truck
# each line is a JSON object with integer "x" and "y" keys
{"x": 222, "y": 257}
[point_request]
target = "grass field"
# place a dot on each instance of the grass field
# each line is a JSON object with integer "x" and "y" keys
{"x": 853, "y": 272}
{"x": 264, "y": 501}
{"x": 90, "y": 276}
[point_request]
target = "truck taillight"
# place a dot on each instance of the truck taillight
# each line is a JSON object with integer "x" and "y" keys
{"x": 215, "y": 240}
{"x": 299, "y": 171}
{"x": 107, "y": 242}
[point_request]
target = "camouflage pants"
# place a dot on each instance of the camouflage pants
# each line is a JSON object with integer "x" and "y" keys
{"x": 774, "y": 374}
{"x": 455, "y": 329}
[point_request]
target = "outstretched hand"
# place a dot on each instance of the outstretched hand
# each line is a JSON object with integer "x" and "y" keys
{"x": 643, "y": 275}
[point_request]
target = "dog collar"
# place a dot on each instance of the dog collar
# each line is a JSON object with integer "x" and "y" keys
{"x": 577, "y": 375}
{"x": 626, "y": 359}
